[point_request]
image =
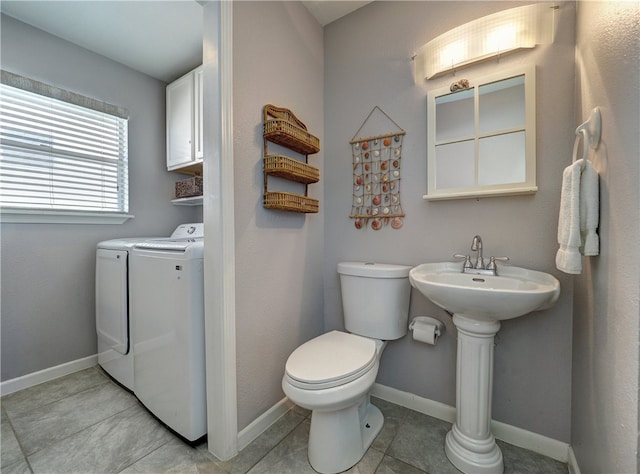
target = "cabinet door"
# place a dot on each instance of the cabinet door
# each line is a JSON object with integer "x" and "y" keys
{"x": 198, "y": 103}
{"x": 180, "y": 117}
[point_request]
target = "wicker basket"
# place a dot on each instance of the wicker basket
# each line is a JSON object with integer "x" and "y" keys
{"x": 290, "y": 202}
{"x": 189, "y": 187}
{"x": 281, "y": 126}
{"x": 291, "y": 169}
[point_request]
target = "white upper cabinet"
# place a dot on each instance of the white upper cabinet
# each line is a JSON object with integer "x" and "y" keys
{"x": 184, "y": 123}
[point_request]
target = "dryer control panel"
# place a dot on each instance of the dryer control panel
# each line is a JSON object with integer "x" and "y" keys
{"x": 189, "y": 231}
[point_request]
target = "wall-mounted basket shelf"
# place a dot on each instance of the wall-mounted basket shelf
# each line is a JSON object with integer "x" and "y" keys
{"x": 291, "y": 169}
{"x": 282, "y": 127}
{"x": 285, "y": 201}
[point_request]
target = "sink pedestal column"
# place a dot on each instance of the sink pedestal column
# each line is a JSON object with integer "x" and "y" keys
{"x": 470, "y": 445}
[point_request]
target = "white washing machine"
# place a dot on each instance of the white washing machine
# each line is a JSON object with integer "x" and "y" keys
{"x": 167, "y": 313}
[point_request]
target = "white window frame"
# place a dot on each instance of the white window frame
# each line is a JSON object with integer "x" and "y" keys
{"x": 45, "y": 214}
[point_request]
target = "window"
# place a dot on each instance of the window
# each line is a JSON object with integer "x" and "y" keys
{"x": 59, "y": 157}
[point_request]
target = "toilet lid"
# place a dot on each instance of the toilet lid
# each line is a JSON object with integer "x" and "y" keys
{"x": 331, "y": 356}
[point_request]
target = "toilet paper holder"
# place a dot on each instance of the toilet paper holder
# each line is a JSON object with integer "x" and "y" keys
{"x": 430, "y": 329}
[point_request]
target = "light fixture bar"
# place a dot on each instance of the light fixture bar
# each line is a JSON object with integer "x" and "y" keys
{"x": 487, "y": 37}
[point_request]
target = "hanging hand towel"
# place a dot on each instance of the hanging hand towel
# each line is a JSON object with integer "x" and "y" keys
{"x": 568, "y": 258}
{"x": 589, "y": 210}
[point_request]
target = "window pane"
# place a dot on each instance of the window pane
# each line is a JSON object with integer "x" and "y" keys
{"x": 502, "y": 159}
{"x": 454, "y": 116}
{"x": 502, "y": 105}
{"x": 60, "y": 156}
{"x": 455, "y": 165}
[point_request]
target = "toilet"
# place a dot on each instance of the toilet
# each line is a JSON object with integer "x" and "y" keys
{"x": 332, "y": 374}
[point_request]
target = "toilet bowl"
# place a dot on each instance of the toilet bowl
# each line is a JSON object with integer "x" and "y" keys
{"x": 332, "y": 374}
{"x": 343, "y": 421}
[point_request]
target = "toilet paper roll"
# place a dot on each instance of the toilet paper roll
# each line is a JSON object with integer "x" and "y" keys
{"x": 426, "y": 329}
{"x": 423, "y": 332}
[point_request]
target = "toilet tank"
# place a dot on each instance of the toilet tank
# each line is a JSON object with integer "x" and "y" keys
{"x": 375, "y": 299}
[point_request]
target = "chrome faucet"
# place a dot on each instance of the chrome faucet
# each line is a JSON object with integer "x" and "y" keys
{"x": 476, "y": 246}
{"x": 479, "y": 267}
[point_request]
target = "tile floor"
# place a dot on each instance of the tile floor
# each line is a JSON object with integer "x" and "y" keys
{"x": 86, "y": 423}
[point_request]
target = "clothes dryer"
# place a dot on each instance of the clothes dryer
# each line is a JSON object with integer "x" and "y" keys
{"x": 112, "y": 308}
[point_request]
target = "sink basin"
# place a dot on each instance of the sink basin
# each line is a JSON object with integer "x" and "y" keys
{"x": 513, "y": 292}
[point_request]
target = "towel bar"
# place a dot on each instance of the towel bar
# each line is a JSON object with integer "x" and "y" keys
{"x": 591, "y": 130}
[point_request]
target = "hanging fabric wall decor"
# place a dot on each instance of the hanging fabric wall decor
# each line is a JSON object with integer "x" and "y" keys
{"x": 377, "y": 162}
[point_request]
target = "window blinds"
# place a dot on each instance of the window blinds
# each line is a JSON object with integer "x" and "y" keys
{"x": 60, "y": 156}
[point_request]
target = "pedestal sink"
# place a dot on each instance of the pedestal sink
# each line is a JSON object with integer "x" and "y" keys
{"x": 478, "y": 303}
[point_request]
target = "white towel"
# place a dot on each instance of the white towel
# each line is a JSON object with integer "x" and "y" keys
{"x": 589, "y": 210}
{"x": 568, "y": 257}
{"x": 579, "y": 214}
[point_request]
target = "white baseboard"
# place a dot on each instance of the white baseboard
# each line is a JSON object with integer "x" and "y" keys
{"x": 549, "y": 447}
{"x": 35, "y": 378}
{"x": 573, "y": 462}
{"x": 264, "y": 421}
{"x": 432, "y": 408}
{"x": 535, "y": 442}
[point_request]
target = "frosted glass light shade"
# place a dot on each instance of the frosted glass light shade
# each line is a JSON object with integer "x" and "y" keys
{"x": 486, "y": 37}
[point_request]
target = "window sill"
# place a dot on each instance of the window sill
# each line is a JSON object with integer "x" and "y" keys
{"x": 28, "y": 216}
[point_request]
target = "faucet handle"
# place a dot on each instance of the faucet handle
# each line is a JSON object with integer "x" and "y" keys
{"x": 467, "y": 260}
{"x": 492, "y": 262}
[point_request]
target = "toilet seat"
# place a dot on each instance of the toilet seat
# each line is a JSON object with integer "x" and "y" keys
{"x": 330, "y": 360}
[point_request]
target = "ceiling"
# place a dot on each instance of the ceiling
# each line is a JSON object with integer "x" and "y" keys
{"x": 162, "y": 39}
{"x": 326, "y": 11}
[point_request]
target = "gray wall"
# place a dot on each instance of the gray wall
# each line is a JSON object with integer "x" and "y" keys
{"x": 277, "y": 56}
{"x": 367, "y": 63}
{"x": 48, "y": 315}
{"x": 605, "y": 338}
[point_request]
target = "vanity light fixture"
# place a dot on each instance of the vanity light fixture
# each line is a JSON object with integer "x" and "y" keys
{"x": 485, "y": 38}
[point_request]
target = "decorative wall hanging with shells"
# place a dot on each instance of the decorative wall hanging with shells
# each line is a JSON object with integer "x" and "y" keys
{"x": 377, "y": 162}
